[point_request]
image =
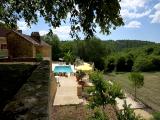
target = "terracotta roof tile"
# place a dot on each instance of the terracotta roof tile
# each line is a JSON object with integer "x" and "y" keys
{"x": 27, "y": 37}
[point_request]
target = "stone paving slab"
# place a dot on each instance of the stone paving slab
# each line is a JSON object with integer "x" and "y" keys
{"x": 129, "y": 100}
{"x": 67, "y": 92}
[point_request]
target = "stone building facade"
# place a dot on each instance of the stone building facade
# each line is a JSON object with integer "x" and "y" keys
{"x": 19, "y": 45}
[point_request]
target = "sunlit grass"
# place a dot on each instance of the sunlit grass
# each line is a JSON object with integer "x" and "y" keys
{"x": 149, "y": 93}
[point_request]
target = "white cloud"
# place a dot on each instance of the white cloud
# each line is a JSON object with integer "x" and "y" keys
{"x": 133, "y": 24}
{"x": 156, "y": 16}
{"x": 134, "y": 9}
{"x": 133, "y": 4}
{"x": 62, "y": 32}
{"x": 157, "y": 6}
{"x": 43, "y": 32}
{"x": 22, "y": 25}
{"x": 134, "y": 15}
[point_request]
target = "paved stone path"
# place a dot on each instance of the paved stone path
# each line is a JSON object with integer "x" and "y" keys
{"x": 139, "y": 108}
{"x": 67, "y": 92}
{"x": 129, "y": 100}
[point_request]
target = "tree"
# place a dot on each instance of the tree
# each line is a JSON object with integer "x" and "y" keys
{"x": 95, "y": 50}
{"x": 6, "y": 26}
{"x": 137, "y": 80}
{"x": 66, "y": 46}
{"x": 68, "y": 57}
{"x": 103, "y": 92}
{"x": 109, "y": 62}
{"x": 84, "y": 15}
{"x": 121, "y": 64}
{"x": 54, "y": 41}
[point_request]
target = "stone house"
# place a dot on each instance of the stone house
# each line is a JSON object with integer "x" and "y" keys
{"x": 18, "y": 45}
{"x": 3, "y": 43}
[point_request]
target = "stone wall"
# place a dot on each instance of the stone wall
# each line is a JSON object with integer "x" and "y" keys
{"x": 33, "y": 100}
{"x": 4, "y": 52}
{"x": 45, "y": 50}
{"x": 53, "y": 89}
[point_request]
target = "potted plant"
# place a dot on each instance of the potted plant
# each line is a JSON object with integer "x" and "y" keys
{"x": 79, "y": 75}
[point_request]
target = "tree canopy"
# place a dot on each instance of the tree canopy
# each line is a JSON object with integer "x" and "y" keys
{"x": 54, "y": 41}
{"x": 84, "y": 15}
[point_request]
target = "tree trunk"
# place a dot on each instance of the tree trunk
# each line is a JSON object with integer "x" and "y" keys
{"x": 135, "y": 91}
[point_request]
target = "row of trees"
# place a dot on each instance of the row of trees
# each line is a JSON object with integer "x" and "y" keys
{"x": 141, "y": 59}
{"x": 104, "y": 54}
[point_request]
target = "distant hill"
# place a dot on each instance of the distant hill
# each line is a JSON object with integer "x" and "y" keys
{"x": 124, "y": 44}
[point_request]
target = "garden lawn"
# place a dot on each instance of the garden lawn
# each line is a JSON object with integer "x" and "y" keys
{"x": 149, "y": 94}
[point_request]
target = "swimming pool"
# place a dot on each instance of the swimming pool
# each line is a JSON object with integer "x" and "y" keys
{"x": 66, "y": 69}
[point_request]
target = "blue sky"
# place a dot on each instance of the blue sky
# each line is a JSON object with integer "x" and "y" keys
{"x": 141, "y": 17}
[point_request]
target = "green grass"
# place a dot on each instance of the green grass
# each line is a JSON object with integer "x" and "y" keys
{"x": 148, "y": 94}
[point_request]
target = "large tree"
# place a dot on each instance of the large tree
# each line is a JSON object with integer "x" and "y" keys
{"x": 85, "y": 15}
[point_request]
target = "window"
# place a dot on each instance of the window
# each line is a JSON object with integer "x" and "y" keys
{"x": 3, "y": 46}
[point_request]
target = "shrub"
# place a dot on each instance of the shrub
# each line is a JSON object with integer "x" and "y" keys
{"x": 39, "y": 57}
{"x": 109, "y": 64}
{"x": 156, "y": 62}
{"x": 98, "y": 115}
{"x": 129, "y": 62}
{"x": 127, "y": 113}
{"x": 156, "y": 116}
{"x": 149, "y": 50}
{"x": 121, "y": 64}
{"x": 103, "y": 92}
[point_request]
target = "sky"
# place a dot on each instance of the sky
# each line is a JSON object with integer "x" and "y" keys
{"x": 141, "y": 18}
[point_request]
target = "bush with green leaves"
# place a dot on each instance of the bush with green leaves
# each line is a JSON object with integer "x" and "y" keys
{"x": 103, "y": 92}
{"x": 98, "y": 115}
{"x": 156, "y": 62}
{"x": 127, "y": 113}
{"x": 39, "y": 57}
{"x": 120, "y": 64}
{"x": 156, "y": 116}
{"x": 80, "y": 74}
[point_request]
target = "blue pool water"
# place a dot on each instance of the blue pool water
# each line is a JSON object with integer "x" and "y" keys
{"x": 66, "y": 69}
